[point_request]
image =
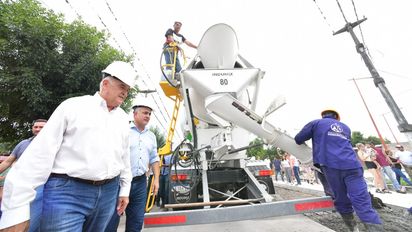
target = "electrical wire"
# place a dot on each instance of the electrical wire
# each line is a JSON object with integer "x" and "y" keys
{"x": 341, "y": 10}
{"x": 146, "y": 73}
{"x": 120, "y": 48}
{"x": 395, "y": 74}
{"x": 77, "y": 13}
{"x": 360, "y": 28}
{"x": 323, "y": 16}
{"x": 117, "y": 43}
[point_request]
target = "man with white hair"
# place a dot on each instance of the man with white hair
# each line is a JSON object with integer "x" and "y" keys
{"x": 81, "y": 156}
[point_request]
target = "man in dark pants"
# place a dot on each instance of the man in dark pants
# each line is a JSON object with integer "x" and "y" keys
{"x": 277, "y": 168}
{"x": 164, "y": 180}
{"x": 333, "y": 153}
{"x": 143, "y": 152}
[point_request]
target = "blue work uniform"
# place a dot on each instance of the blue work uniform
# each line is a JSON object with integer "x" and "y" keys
{"x": 333, "y": 153}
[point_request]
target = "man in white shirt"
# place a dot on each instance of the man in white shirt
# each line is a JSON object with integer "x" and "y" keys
{"x": 406, "y": 159}
{"x": 81, "y": 156}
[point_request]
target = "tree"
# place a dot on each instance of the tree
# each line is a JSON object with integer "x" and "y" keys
{"x": 256, "y": 151}
{"x": 160, "y": 137}
{"x": 44, "y": 61}
{"x": 357, "y": 137}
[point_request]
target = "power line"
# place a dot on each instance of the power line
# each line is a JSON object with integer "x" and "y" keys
{"x": 323, "y": 16}
{"x": 117, "y": 43}
{"x": 44, "y": 4}
{"x": 341, "y": 10}
{"x": 360, "y": 28}
{"x": 395, "y": 74}
{"x": 140, "y": 62}
{"x": 115, "y": 18}
{"x": 137, "y": 57}
{"x": 77, "y": 13}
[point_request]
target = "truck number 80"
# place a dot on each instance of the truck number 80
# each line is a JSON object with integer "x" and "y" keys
{"x": 224, "y": 82}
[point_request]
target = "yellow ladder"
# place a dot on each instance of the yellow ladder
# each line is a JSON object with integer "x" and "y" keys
{"x": 174, "y": 94}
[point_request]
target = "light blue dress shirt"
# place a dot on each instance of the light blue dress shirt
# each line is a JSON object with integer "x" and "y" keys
{"x": 143, "y": 150}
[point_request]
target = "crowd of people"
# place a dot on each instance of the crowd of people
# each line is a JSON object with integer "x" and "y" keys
{"x": 380, "y": 163}
{"x": 286, "y": 167}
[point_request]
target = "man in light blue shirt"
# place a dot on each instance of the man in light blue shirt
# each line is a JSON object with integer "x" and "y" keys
{"x": 143, "y": 153}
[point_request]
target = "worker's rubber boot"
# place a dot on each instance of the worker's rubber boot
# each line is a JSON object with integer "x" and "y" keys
{"x": 373, "y": 227}
{"x": 350, "y": 222}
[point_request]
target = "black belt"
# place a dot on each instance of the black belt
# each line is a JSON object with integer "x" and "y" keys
{"x": 91, "y": 182}
{"x": 136, "y": 178}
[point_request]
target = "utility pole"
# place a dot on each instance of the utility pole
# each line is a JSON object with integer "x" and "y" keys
{"x": 370, "y": 115}
{"x": 403, "y": 125}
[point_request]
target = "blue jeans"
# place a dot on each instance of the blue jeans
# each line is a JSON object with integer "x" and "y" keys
{"x": 399, "y": 174}
{"x": 351, "y": 193}
{"x": 164, "y": 189}
{"x": 296, "y": 173}
{"x": 69, "y": 205}
{"x": 135, "y": 209}
{"x": 388, "y": 171}
{"x": 169, "y": 56}
{"x": 278, "y": 172}
{"x": 36, "y": 210}
{"x": 288, "y": 174}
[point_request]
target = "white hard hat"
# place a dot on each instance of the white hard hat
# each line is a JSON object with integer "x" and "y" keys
{"x": 122, "y": 71}
{"x": 143, "y": 105}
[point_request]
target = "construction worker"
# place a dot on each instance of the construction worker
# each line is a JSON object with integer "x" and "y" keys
{"x": 333, "y": 154}
{"x": 173, "y": 36}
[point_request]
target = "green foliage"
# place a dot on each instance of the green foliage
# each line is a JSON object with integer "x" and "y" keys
{"x": 262, "y": 151}
{"x": 160, "y": 137}
{"x": 256, "y": 151}
{"x": 357, "y": 137}
{"x": 43, "y": 61}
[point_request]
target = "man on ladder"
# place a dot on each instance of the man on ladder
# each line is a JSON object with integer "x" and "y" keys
{"x": 174, "y": 39}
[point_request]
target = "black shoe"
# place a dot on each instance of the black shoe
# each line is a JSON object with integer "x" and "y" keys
{"x": 379, "y": 191}
{"x": 386, "y": 191}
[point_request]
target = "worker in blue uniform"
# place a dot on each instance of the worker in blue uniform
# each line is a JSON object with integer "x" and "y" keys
{"x": 333, "y": 154}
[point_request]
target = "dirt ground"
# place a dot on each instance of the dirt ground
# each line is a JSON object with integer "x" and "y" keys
{"x": 392, "y": 216}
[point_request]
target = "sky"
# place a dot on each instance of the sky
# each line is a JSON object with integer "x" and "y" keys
{"x": 290, "y": 40}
